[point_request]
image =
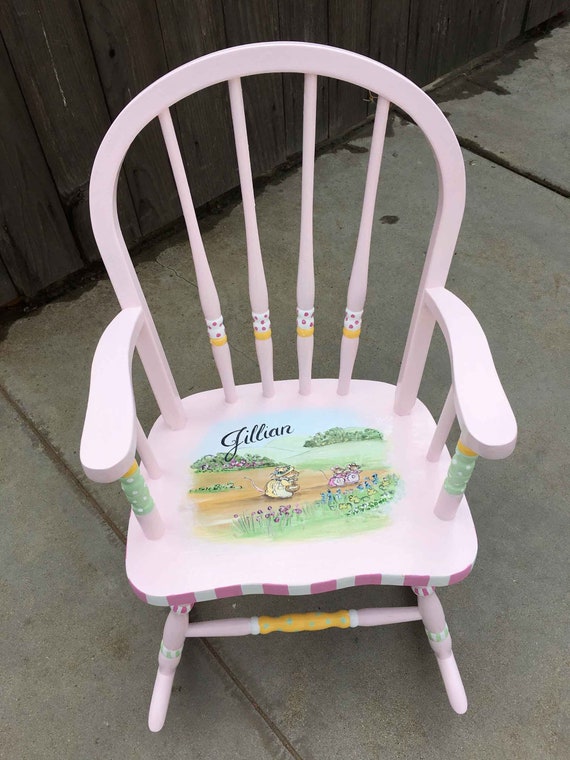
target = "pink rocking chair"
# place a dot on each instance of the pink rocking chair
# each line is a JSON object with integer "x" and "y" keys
{"x": 299, "y": 486}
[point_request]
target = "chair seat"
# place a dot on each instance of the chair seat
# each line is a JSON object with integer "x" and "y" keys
{"x": 297, "y": 495}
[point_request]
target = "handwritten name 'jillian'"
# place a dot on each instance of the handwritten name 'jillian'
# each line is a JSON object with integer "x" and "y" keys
{"x": 246, "y": 436}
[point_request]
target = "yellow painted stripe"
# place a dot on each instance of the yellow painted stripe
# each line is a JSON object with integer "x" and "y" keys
{"x": 305, "y": 333}
{"x": 131, "y": 471}
{"x": 219, "y": 341}
{"x": 465, "y": 449}
{"x": 304, "y": 621}
{"x": 350, "y": 333}
{"x": 262, "y": 335}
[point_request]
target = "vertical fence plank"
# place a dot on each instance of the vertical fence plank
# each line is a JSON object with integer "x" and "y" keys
{"x": 512, "y": 19}
{"x": 389, "y": 32}
{"x": 8, "y": 291}
{"x": 307, "y": 21}
{"x": 480, "y": 28}
{"x": 129, "y": 53}
{"x": 349, "y": 28}
{"x": 36, "y": 245}
{"x": 258, "y": 21}
{"x": 541, "y": 10}
{"x": 48, "y": 45}
{"x": 206, "y": 139}
{"x": 445, "y": 34}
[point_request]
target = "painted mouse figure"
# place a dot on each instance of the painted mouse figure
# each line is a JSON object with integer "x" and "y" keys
{"x": 352, "y": 473}
{"x": 282, "y": 483}
{"x": 337, "y": 478}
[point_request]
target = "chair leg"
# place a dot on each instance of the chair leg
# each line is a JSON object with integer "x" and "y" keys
{"x": 440, "y": 641}
{"x": 169, "y": 656}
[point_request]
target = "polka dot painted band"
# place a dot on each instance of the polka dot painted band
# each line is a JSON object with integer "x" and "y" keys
{"x": 261, "y": 325}
{"x": 460, "y": 470}
{"x": 305, "y": 322}
{"x": 441, "y": 636}
{"x": 352, "y": 323}
{"x": 170, "y": 654}
{"x": 136, "y": 491}
{"x": 217, "y": 331}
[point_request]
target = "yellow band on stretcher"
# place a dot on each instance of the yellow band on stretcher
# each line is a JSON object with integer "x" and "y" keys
{"x": 304, "y": 621}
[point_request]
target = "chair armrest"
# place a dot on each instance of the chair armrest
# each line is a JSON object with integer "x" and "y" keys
{"x": 108, "y": 442}
{"x": 488, "y": 425}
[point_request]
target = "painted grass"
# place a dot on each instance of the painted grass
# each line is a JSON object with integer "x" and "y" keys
{"x": 366, "y": 507}
{"x": 368, "y": 454}
{"x": 216, "y": 488}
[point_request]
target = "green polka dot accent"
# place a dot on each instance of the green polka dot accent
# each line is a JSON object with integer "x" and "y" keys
{"x": 136, "y": 491}
{"x": 170, "y": 654}
{"x": 460, "y": 470}
{"x": 438, "y": 636}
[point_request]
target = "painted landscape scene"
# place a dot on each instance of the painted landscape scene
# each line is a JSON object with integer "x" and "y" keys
{"x": 276, "y": 482}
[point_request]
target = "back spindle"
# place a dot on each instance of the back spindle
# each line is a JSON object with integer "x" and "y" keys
{"x": 359, "y": 277}
{"x": 258, "y": 295}
{"x": 306, "y": 272}
{"x": 206, "y": 288}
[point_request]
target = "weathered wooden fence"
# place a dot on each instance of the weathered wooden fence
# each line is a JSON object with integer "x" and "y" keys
{"x": 67, "y": 67}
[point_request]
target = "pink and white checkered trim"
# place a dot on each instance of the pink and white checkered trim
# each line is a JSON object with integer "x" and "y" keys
{"x": 423, "y": 590}
{"x": 422, "y": 585}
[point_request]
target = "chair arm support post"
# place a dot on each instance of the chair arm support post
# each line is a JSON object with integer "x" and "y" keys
{"x": 460, "y": 470}
{"x": 136, "y": 490}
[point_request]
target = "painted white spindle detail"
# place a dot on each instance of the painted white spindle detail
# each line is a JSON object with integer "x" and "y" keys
{"x": 258, "y": 295}
{"x": 306, "y": 271}
{"x": 443, "y": 428}
{"x": 352, "y": 323}
{"x": 261, "y": 325}
{"x": 216, "y": 331}
{"x": 206, "y": 288}
{"x": 305, "y": 322}
{"x": 359, "y": 276}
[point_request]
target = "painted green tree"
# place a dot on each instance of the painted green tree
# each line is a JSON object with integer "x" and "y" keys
{"x": 219, "y": 463}
{"x": 343, "y": 435}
